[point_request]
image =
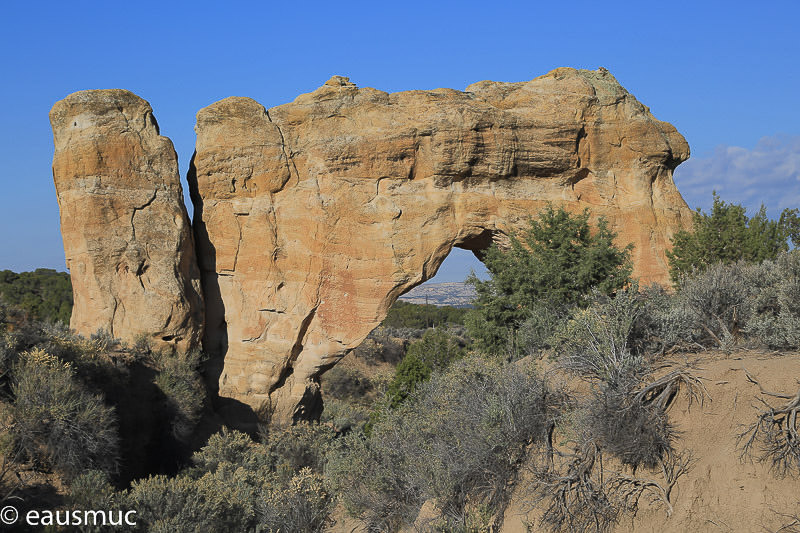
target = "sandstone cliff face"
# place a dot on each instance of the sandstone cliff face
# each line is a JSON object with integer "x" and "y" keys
{"x": 127, "y": 236}
{"x": 313, "y": 217}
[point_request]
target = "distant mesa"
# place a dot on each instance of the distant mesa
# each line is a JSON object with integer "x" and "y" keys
{"x": 313, "y": 217}
{"x": 452, "y": 293}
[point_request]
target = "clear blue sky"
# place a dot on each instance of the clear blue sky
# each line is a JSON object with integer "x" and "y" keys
{"x": 726, "y": 74}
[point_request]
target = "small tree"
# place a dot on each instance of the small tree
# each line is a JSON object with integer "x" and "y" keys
{"x": 554, "y": 263}
{"x": 434, "y": 351}
{"x": 727, "y": 235}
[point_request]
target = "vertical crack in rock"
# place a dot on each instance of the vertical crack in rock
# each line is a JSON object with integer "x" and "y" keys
{"x": 286, "y": 153}
{"x": 140, "y": 208}
{"x": 297, "y": 347}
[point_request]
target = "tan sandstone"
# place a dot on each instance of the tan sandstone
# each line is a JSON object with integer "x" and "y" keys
{"x": 127, "y": 236}
{"x": 313, "y": 217}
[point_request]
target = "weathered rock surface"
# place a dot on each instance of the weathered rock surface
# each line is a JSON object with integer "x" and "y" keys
{"x": 127, "y": 236}
{"x": 313, "y": 217}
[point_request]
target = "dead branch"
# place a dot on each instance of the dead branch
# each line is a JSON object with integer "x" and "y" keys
{"x": 630, "y": 489}
{"x": 790, "y": 527}
{"x": 774, "y": 431}
{"x": 580, "y": 496}
{"x": 662, "y": 391}
{"x": 751, "y": 379}
{"x": 574, "y": 492}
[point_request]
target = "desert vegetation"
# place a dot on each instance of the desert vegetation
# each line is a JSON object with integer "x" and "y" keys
{"x": 552, "y": 266}
{"x": 727, "y": 235}
{"x": 558, "y": 385}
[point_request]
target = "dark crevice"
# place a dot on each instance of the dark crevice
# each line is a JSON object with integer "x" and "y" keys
{"x": 288, "y": 370}
{"x": 581, "y": 136}
{"x": 137, "y": 209}
{"x": 286, "y": 154}
{"x": 575, "y": 178}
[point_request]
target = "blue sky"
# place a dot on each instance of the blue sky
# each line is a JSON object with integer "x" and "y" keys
{"x": 726, "y": 74}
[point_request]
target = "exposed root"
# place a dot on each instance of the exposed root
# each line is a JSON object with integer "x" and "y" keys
{"x": 629, "y": 489}
{"x": 578, "y": 500}
{"x": 793, "y": 526}
{"x": 575, "y": 491}
{"x": 662, "y": 391}
{"x": 775, "y": 432}
{"x": 581, "y": 496}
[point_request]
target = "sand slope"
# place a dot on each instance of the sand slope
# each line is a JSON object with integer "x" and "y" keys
{"x": 720, "y": 492}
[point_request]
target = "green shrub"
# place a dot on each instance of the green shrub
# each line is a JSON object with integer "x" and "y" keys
{"x": 385, "y": 345}
{"x": 596, "y": 342}
{"x": 435, "y": 351}
{"x": 410, "y": 373}
{"x": 44, "y": 294}
{"x": 93, "y": 490}
{"x": 178, "y": 377}
{"x": 89, "y": 357}
{"x": 303, "y": 505}
{"x": 183, "y": 504}
{"x": 540, "y": 330}
{"x": 729, "y": 303}
{"x": 727, "y": 235}
{"x": 57, "y": 422}
{"x": 460, "y": 434}
{"x": 774, "y": 314}
{"x": 293, "y": 448}
{"x": 416, "y": 316}
{"x": 228, "y": 447}
{"x": 646, "y": 323}
{"x": 344, "y": 416}
{"x": 343, "y": 382}
{"x": 554, "y": 263}
{"x": 717, "y": 299}
{"x": 664, "y": 324}
{"x": 10, "y": 453}
{"x": 237, "y": 484}
{"x": 437, "y": 348}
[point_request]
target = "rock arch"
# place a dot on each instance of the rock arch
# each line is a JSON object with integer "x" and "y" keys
{"x": 311, "y": 218}
{"x": 316, "y": 215}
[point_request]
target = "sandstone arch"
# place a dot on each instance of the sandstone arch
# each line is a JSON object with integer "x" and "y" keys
{"x": 312, "y": 217}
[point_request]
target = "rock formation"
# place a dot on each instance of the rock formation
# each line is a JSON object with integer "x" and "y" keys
{"x": 127, "y": 236}
{"x": 313, "y": 217}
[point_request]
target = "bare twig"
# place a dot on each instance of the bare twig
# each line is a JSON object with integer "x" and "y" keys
{"x": 775, "y": 430}
{"x": 630, "y": 489}
{"x": 751, "y": 379}
{"x": 661, "y": 392}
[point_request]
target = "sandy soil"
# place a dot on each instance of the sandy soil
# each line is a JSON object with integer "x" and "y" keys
{"x": 720, "y": 492}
